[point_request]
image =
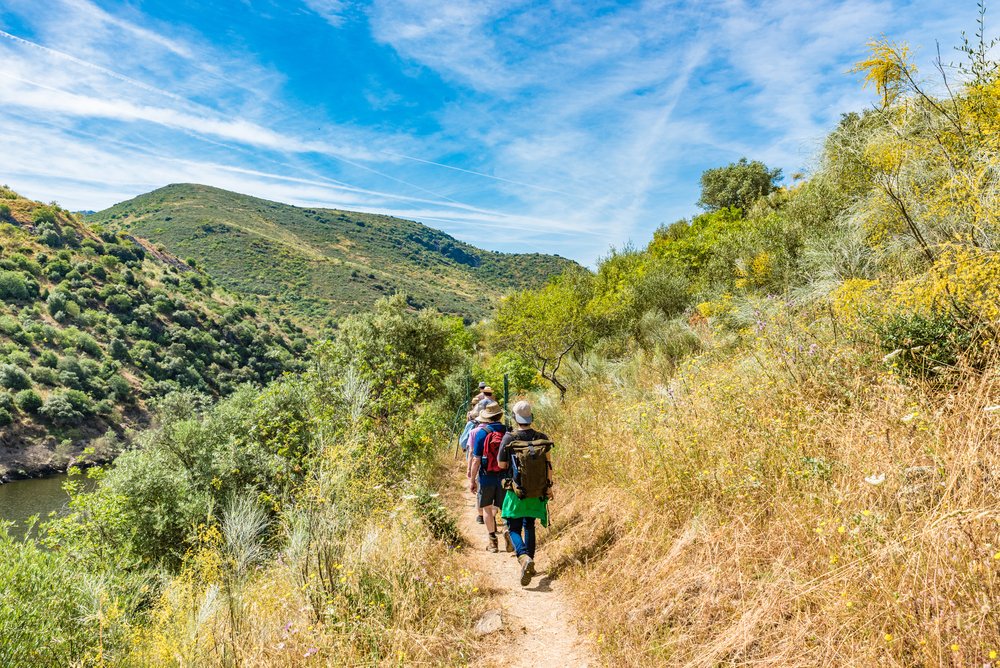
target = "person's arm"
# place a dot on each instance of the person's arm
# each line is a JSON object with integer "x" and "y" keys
{"x": 503, "y": 457}
{"x": 474, "y": 474}
{"x": 552, "y": 482}
{"x": 475, "y": 461}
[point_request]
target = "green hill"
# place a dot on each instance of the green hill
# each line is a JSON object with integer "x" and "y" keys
{"x": 318, "y": 264}
{"x": 95, "y": 326}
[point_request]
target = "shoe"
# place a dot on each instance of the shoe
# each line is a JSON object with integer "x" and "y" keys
{"x": 493, "y": 547}
{"x": 480, "y": 520}
{"x": 508, "y": 544}
{"x": 527, "y": 569}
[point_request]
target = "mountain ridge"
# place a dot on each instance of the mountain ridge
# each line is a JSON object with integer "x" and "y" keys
{"x": 317, "y": 264}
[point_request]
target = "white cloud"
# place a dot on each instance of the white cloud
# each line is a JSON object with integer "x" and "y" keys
{"x": 332, "y": 11}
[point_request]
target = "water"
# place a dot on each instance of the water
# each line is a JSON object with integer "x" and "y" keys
{"x": 21, "y": 499}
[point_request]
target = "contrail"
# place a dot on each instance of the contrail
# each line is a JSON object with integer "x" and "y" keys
{"x": 94, "y": 66}
{"x": 483, "y": 175}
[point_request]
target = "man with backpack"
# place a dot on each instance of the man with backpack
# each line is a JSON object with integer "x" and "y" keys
{"x": 527, "y": 455}
{"x": 485, "y": 473}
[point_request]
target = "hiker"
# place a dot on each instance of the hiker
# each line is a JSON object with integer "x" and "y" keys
{"x": 479, "y": 397}
{"x": 487, "y": 398}
{"x": 485, "y": 473}
{"x": 470, "y": 424}
{"x": 477, "y": 427}
{"x": 527, "y": 455}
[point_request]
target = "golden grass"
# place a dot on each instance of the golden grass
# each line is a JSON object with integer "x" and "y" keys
{"x": 723, "y": 517}
{"x": 397, "y": 597}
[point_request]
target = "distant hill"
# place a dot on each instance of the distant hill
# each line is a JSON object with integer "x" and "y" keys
{"x": 96, "y": 325}
{"x": 318, "y": 264}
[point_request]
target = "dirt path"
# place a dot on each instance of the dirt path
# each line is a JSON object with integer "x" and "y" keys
{"x": 537, "y": 619}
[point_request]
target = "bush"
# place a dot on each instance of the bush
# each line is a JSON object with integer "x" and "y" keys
{"x": 44, "y": 375}
{"x": 119, "y": 303}
{"x": 923, "y": 345}
{"x": 15, "y": 286}
{"x": 13, "y": 378}
{"x": 6, "y": 401}
{"x": 28, "y": 401}
{"x": 5, "y": 417}
{"x": 59, "y": 410}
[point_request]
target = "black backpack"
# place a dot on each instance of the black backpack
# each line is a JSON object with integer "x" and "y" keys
{"x": 530, "y": 468}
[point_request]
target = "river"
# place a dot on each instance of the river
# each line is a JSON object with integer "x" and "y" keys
{"x": 21, "y": 499}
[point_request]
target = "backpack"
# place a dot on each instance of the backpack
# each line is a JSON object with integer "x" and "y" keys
{"x": 492, "y": 447}
{"x": 530, "y": 467}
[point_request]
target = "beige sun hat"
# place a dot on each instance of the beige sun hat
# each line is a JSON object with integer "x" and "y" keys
{"x": 490, "y": 413}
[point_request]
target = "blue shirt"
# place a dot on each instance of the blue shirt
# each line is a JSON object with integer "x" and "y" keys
{"x": 478, "y": 446}
{"x": 463, "y": 440}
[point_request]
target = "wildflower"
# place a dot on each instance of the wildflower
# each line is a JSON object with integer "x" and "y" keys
{"x": 996, "y": 555}
{"x": 993, "y": 654}
{"x": 310, "y": 652}
{"x": 875, "y": 479}
{"x": 954, "y": 647}
{"x": 888, "y": 637}
{"x": 866, "y": 513}
{"x": 909, "y": 417}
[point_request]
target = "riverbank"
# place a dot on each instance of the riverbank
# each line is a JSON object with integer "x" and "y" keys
{"x": 47, "y": 457}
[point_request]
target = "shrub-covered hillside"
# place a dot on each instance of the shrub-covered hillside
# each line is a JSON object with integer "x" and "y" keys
{"x": 318, "y": 264}
{"x": 95, "y": 326}
{"x": 778, "y": 444}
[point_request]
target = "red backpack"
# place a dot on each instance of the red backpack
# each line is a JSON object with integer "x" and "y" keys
{"x": 492, "y": 447}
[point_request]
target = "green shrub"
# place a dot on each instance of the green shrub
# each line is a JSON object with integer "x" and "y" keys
{"x": 44, "y": 214}
{"x": 923, "y": 345}
{"x": 5, "y": 212}
{"x": 28, "y": 401}
{"x": 6, "y": 401}
{"x": 119, "y": 303}
{"x": 15, "y": 286}
{"x": 13, "y": 378}
{"x": 59, "y": 410}
{"x": 44, "y": 375}
{"x": 5, "y": 417}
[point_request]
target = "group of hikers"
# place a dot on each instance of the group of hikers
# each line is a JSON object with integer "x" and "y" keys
{"x": 510, "y": 472}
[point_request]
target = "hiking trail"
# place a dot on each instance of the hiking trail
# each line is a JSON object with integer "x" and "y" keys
{"x": 537, "y": 620}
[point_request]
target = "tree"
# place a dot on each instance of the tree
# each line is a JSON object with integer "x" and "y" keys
{"x": 547, "y": 324}
{"x": 738, "y": 184}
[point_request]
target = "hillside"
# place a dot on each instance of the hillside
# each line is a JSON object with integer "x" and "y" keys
{"x": 318, "y": 264}
{"x": 96, "y": 326}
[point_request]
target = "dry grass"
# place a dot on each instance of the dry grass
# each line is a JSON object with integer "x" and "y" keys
{"x": 394, "y": 597}
{"x": 723, "y": 517}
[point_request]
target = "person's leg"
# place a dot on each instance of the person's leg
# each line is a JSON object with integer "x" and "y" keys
{"x": 490, "y": 517}
{"x": 529, "y": 536}
{"x": 514, "y": 525}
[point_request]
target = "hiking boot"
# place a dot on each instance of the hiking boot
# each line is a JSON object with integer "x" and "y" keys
{"x": 480, "y": 520}
{"x": 508, "y": 543}
{"x": 527, "y": 569}
{"x": 493, "y": 547}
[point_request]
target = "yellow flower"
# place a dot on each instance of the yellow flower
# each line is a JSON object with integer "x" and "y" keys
{"x": 841, "y": 529}
{"x": 888, "y": 637}
{"x": 993, "y": 654}
{"x": 954, "y": 647}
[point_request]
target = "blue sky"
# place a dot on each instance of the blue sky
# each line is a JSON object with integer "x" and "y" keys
{"x": 560, "y": 127}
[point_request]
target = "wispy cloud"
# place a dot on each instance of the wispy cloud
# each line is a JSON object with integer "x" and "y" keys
{"x": 560, "y": 127}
